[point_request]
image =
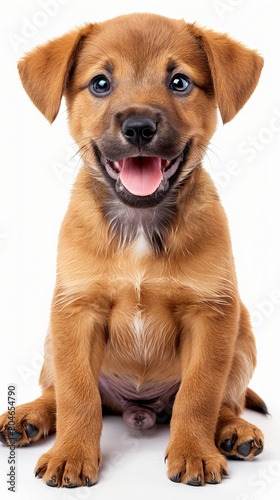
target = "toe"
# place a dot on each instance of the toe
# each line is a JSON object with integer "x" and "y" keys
{"x": 68, "y": 483}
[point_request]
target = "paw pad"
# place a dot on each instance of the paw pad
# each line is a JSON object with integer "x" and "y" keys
{"x": 31, "y": 430}
{"x": 228, "y": 444}
{"x": 245, "y": 448}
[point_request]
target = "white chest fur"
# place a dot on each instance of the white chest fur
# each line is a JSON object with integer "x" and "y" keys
{"x": 138, "y": 324}
{"x": 141, "y": 246}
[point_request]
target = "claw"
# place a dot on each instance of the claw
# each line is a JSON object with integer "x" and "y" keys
{"x": 89, "y": 482}
{"x": 213, "y": 481}
{"x": 37, "y": 473}
{"x": 52, "y": 482}
{"x": 68, "y": 483}
{"x": 176, "y": 478}
{"x": 195, "y": 481}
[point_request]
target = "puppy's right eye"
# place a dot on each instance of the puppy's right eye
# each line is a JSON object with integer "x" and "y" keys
{"x": 100, "y": 86}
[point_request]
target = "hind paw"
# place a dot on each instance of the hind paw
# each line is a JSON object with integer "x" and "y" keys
{"x": 240, "y": 440}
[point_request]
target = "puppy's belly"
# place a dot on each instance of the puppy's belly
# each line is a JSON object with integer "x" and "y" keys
{"x": 141, "y": 367}
{"x": 124, "y": 392}
{"x": 142, "y": 347}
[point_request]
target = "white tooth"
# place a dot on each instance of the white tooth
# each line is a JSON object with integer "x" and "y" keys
{"x": 111, "y": 171}
{"x": 119, "y": 183}
{"x": 172, "y": 169}
{"x": 163, "y": 185}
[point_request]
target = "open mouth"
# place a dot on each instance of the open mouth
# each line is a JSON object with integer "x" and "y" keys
{"x": 142, "y": 181}
{"x": 142, "y": 176}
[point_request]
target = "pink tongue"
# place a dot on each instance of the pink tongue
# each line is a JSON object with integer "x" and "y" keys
{"x": 141, "y": 175}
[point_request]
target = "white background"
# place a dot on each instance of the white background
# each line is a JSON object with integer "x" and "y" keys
{"x": 37, "y": 169}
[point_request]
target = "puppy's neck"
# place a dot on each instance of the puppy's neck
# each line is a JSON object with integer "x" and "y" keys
{"x": 146, "y": 227}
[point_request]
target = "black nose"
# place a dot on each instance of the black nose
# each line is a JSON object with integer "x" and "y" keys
{"x": 139, "y": 130}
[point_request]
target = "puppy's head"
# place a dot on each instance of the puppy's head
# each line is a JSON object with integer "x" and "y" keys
{"x": 142, "y": 93}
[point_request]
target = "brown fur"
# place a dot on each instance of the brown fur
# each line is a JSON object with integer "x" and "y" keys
{"x": 182, "y": 287}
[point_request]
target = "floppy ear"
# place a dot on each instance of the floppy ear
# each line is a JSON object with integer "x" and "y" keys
{"x": 45, "y": 70}
{"x": 235, "y": 69}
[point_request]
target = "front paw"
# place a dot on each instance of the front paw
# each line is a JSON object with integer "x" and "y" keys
{"x": 195, "y": 464}
{"x": 69, "y": 466}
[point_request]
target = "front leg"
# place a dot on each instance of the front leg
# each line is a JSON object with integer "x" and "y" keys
{"x": 77, "y": 334}
{"x": 207, "y": 347}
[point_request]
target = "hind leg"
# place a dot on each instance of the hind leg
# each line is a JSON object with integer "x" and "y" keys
{"x": 32, "y": 420}
{"x": 235, "y": 437}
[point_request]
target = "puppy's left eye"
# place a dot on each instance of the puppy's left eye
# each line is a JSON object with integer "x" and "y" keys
{"x": 181, "y": 84}
{"x": 100, "y": 86}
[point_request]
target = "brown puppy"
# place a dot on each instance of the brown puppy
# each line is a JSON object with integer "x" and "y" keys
{"x": 146, "y": 318}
